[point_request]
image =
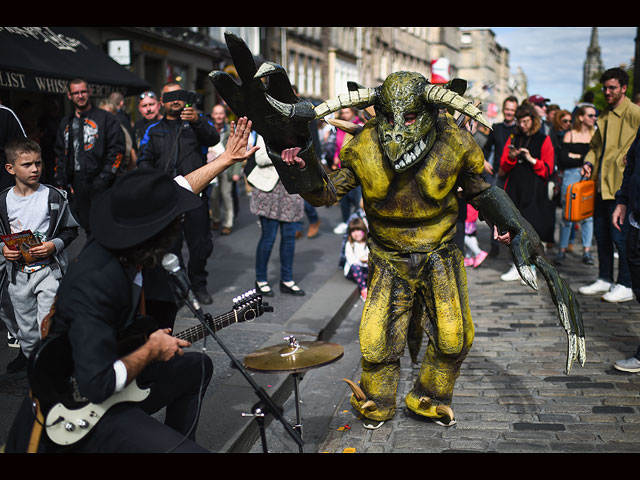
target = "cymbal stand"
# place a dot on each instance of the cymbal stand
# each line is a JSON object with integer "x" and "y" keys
{"x": 266, "y": 404}
{"x": 298, "y": 425}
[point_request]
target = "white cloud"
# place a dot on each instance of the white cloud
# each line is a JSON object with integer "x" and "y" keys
{"x": 553, "y": 57}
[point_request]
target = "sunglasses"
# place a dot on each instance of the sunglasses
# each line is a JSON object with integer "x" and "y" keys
{"x": 147, "y": 94}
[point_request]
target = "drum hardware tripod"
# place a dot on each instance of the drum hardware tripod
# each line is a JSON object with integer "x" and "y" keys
{"x": 295, "y": 358}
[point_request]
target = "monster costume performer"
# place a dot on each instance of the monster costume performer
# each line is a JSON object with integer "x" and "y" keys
{"x": 410, "y": 159}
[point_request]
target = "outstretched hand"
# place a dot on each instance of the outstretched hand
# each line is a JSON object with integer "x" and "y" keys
{"x": 236, "y": 151}
{"x": 238, "y": 141}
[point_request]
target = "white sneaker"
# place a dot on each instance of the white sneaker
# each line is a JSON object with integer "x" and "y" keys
{"x": 628, "y": 365}
{"x": 341, "y": 229}
{"x": 618, "y": 294}
{"x": 599, "y": 286}
{"x": 511, "y": 276}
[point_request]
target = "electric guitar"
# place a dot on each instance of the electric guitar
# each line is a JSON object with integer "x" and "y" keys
{"x": 68, "y": 416}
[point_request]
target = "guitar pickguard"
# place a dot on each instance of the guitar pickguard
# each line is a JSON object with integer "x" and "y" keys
{"x": 65, "y": 426}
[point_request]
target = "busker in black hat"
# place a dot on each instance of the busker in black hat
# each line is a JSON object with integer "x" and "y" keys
{"x": 134, "y": 224}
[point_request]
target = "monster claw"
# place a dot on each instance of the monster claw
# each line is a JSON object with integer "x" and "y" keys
{"x": 445, "y": 411}
{"x": 571, "y": 351}
{"x": 528, "y": 275}
{"x": 357, "y": 391}
{"x": 300, "y": 110}
{"x": 269, "y": 68}
{"x": 582, "y": 351}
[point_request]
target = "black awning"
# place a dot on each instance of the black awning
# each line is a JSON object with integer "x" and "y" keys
{"x": 44, "y": 59}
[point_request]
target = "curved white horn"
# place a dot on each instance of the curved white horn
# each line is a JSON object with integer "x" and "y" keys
{"x": 436, "y": 94}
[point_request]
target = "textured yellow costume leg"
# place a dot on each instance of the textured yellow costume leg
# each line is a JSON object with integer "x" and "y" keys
{"x": 397, "y": 282}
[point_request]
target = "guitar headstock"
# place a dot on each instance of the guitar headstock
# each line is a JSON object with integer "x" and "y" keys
{"x": 249, "y": 306}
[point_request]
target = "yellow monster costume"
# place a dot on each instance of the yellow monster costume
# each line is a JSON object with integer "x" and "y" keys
{"x": 414, "y": 269}
{"x": 409, "y": 159}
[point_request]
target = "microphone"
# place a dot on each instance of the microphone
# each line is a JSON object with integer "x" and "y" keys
{"x": 171, "y": 264}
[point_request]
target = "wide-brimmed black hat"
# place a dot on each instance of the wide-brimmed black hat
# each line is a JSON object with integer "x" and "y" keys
{"x": 136, "y": 207}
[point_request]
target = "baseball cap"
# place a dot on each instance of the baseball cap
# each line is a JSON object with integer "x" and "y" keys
{"x": 539, "y": 100}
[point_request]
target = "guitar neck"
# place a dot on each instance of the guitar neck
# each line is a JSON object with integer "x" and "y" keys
{"x": 198, "y": 332}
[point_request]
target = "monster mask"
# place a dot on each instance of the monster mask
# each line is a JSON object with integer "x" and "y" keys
{"x": 405, "y": 121}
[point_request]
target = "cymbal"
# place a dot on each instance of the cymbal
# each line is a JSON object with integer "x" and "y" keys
{"x": 294, "y": 357}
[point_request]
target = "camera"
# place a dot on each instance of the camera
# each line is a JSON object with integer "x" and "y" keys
{"x": 189, "y": 97}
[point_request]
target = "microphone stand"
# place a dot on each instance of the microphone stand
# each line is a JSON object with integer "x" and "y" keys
{"x": 266, "y": 404}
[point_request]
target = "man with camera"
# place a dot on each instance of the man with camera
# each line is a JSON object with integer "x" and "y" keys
{"x": 177, "y": 145}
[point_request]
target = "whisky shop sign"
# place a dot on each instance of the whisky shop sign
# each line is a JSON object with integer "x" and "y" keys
{"x": 44, "y": 59}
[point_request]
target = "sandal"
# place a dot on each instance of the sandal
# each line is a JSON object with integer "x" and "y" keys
{"x": 264, "y": 289}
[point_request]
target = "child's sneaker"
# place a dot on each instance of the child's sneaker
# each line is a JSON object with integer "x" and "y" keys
{"x": 481, "y": 257}
{"x": 468, "y": 262}
{"x": 12, "y": 341}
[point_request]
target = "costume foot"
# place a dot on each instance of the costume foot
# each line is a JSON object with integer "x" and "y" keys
{"x": 440, "y": 414}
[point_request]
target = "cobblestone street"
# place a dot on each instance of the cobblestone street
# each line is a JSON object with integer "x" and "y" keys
{"x": 513, "y": 394}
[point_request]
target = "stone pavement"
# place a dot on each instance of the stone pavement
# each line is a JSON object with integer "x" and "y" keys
{"x": 513, "y": 394}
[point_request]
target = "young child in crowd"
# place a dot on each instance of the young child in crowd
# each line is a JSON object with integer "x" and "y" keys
{"x": 357, "y": 254}
{"x": 43, "y": 210}
{"x": 474, "y": 254}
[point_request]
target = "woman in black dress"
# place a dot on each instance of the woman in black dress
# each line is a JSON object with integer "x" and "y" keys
{"x": 528, "y": 162}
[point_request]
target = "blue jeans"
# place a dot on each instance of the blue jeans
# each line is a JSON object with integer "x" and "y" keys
{"x": 351, "y": 199}
{"x": 572, "y": 175}
{"x": 269, "y": 228}
{"x": 606, "y": 237}
{"x": 311, "y": 213}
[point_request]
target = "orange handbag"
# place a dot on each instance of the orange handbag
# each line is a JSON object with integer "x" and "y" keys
{"x": 580, "y": 199}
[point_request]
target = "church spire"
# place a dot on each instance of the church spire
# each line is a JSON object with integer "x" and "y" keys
{"x": 593, "y": 65}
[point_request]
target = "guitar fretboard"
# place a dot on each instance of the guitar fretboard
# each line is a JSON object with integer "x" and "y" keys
{"x": 198, "y": 332}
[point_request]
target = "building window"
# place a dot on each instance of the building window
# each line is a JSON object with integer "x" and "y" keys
{"x": 251, "y": 36}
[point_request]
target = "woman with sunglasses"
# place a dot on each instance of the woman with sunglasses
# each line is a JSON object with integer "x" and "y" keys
{"x": 573, "y": 150}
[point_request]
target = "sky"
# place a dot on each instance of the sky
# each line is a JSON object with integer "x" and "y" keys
{"x": 553, "y": 57}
